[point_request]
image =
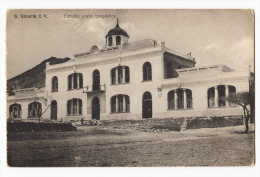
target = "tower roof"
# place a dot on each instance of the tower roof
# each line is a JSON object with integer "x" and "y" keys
{"x": 117, "y": 31}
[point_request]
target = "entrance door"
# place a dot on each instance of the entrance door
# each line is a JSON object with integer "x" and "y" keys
{"x": 54, "y": 110}
{"x": 147, "y": 105}
{"x": 96, "y": 108}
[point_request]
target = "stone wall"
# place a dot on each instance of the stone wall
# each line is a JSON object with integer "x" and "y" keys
{"x": 173, "y": 124}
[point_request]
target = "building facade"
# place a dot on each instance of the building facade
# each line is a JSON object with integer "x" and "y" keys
{"x": 130, "y": 80}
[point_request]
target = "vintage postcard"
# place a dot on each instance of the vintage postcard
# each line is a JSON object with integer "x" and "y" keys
{"x": 130, "y": 87}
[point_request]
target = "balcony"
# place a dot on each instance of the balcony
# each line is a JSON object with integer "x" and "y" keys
{"x": 94, "y": 89}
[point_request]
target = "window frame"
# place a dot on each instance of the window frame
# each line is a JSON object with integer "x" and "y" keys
{"x": 75, "y": 81}
{"x": 54, "y": 84}
{"x": 74, "y": 107}
{"x": 147, "y": 72}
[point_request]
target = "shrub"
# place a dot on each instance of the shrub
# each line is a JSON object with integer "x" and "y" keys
{"x": 39, "y": 127}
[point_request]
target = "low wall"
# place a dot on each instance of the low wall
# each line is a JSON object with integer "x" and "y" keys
{"x": 174, "y": 124}
{"x": 213, "y": 122}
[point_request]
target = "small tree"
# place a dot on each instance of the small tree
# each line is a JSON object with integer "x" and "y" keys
{"x": 242, "y": 99}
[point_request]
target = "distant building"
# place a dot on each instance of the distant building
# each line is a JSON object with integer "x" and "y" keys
{"x": 130, "y": 80}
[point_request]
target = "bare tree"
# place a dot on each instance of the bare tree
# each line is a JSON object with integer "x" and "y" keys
{"x": 244, "y": 100}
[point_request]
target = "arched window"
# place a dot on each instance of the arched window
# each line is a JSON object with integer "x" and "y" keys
{"x": 232, "y": 91}
{"x": 74, "y": 107}
{"x": 221, "y": 96}
{"x": 120, "y": 75}
{"x": 189, "y": 98}
{"x": 34, "y": 109}
{"x": 180, "y": 99}
{"x": 217, "y": 95}
{"x": 120, "y": 104}
{"x": 96, "y": 80}
{"x": 118, "y": 40}
{"x": 110, "y": 41}
{"x": 211, "y": 97}
{"x": 147, "y": 71}
{"x": 171, "y": 102}
{"x": 15, "y": 111}
{"x": 75, "y": 81}
{"x": 54, "y": 86}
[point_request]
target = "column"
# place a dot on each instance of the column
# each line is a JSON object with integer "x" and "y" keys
{"x": 124, "y": 104}
{"x": 185, "y": 98}
{"x": 216, "y": 96}
{"x": 116, "y": 75}
{"x": 117, "y": 104}
{"x": 123, "y": 74}
{"x": 227, "y": 94}
{"x": 175, "y": 100}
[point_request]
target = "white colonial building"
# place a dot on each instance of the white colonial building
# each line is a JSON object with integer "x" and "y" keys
{"x": 130, "y": 80}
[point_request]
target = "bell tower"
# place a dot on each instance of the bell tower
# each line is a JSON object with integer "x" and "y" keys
{"x": 116, "y": 36}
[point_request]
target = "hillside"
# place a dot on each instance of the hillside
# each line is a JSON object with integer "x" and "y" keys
{"x": 34, "y": 77}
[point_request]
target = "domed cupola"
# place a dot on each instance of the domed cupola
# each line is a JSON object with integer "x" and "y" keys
{"x": 116, "y": 36}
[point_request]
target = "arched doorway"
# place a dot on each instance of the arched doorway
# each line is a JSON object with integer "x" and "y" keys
{"x": 147, "y": 105}
{"x": 96, "y": 80}
{"x": 54, "y": 110}
{"x": 95, "y": 108}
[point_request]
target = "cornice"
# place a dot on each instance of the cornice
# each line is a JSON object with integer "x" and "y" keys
{"x": 123, "y": 57}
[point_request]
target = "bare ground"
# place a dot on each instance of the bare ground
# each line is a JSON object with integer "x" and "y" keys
{"x": 102, "y": 146}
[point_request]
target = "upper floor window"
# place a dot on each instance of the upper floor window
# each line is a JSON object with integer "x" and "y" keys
{"x": 54, "y": 84}
{"x": 120, "y": 75}
{"x": 110, "y": 41}
{"x": 118, "y": 40}
{"x": 15, "y": 111}
{"x": 96, "y": 80}
{"x": 147, "y": 71}
{"x": 74, "y": 107}
{"x": 75, "y": 81}
{"x": 120, "y": 104}
{"x": 34, "y": 109}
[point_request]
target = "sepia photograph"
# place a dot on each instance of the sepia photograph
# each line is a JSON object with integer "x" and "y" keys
{"x": 130, "y": 87}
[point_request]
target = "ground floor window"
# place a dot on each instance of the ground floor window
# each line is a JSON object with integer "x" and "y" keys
{"x": 217, "y": 95}
{"x": 180, "y": 99}
{"x": 171, "y": 99}
{"x": 34, "y": 109}
{"x": 74, "y": 107}
{"x": 15, "y": 111}
{"x": 120, "y": 104}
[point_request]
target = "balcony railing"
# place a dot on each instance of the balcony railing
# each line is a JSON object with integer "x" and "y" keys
{"x": 93, "y": 88}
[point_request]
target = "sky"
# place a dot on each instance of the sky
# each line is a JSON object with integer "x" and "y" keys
{"x": 212, "y": 36}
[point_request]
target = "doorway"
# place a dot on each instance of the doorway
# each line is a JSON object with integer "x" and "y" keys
{"x": 54, "y": 110}
{"x": 96, "y": 108}
{"x": 147, "y": 105}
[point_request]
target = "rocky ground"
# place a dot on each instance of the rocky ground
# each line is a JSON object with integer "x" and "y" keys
{"x": 104, "y": 146}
